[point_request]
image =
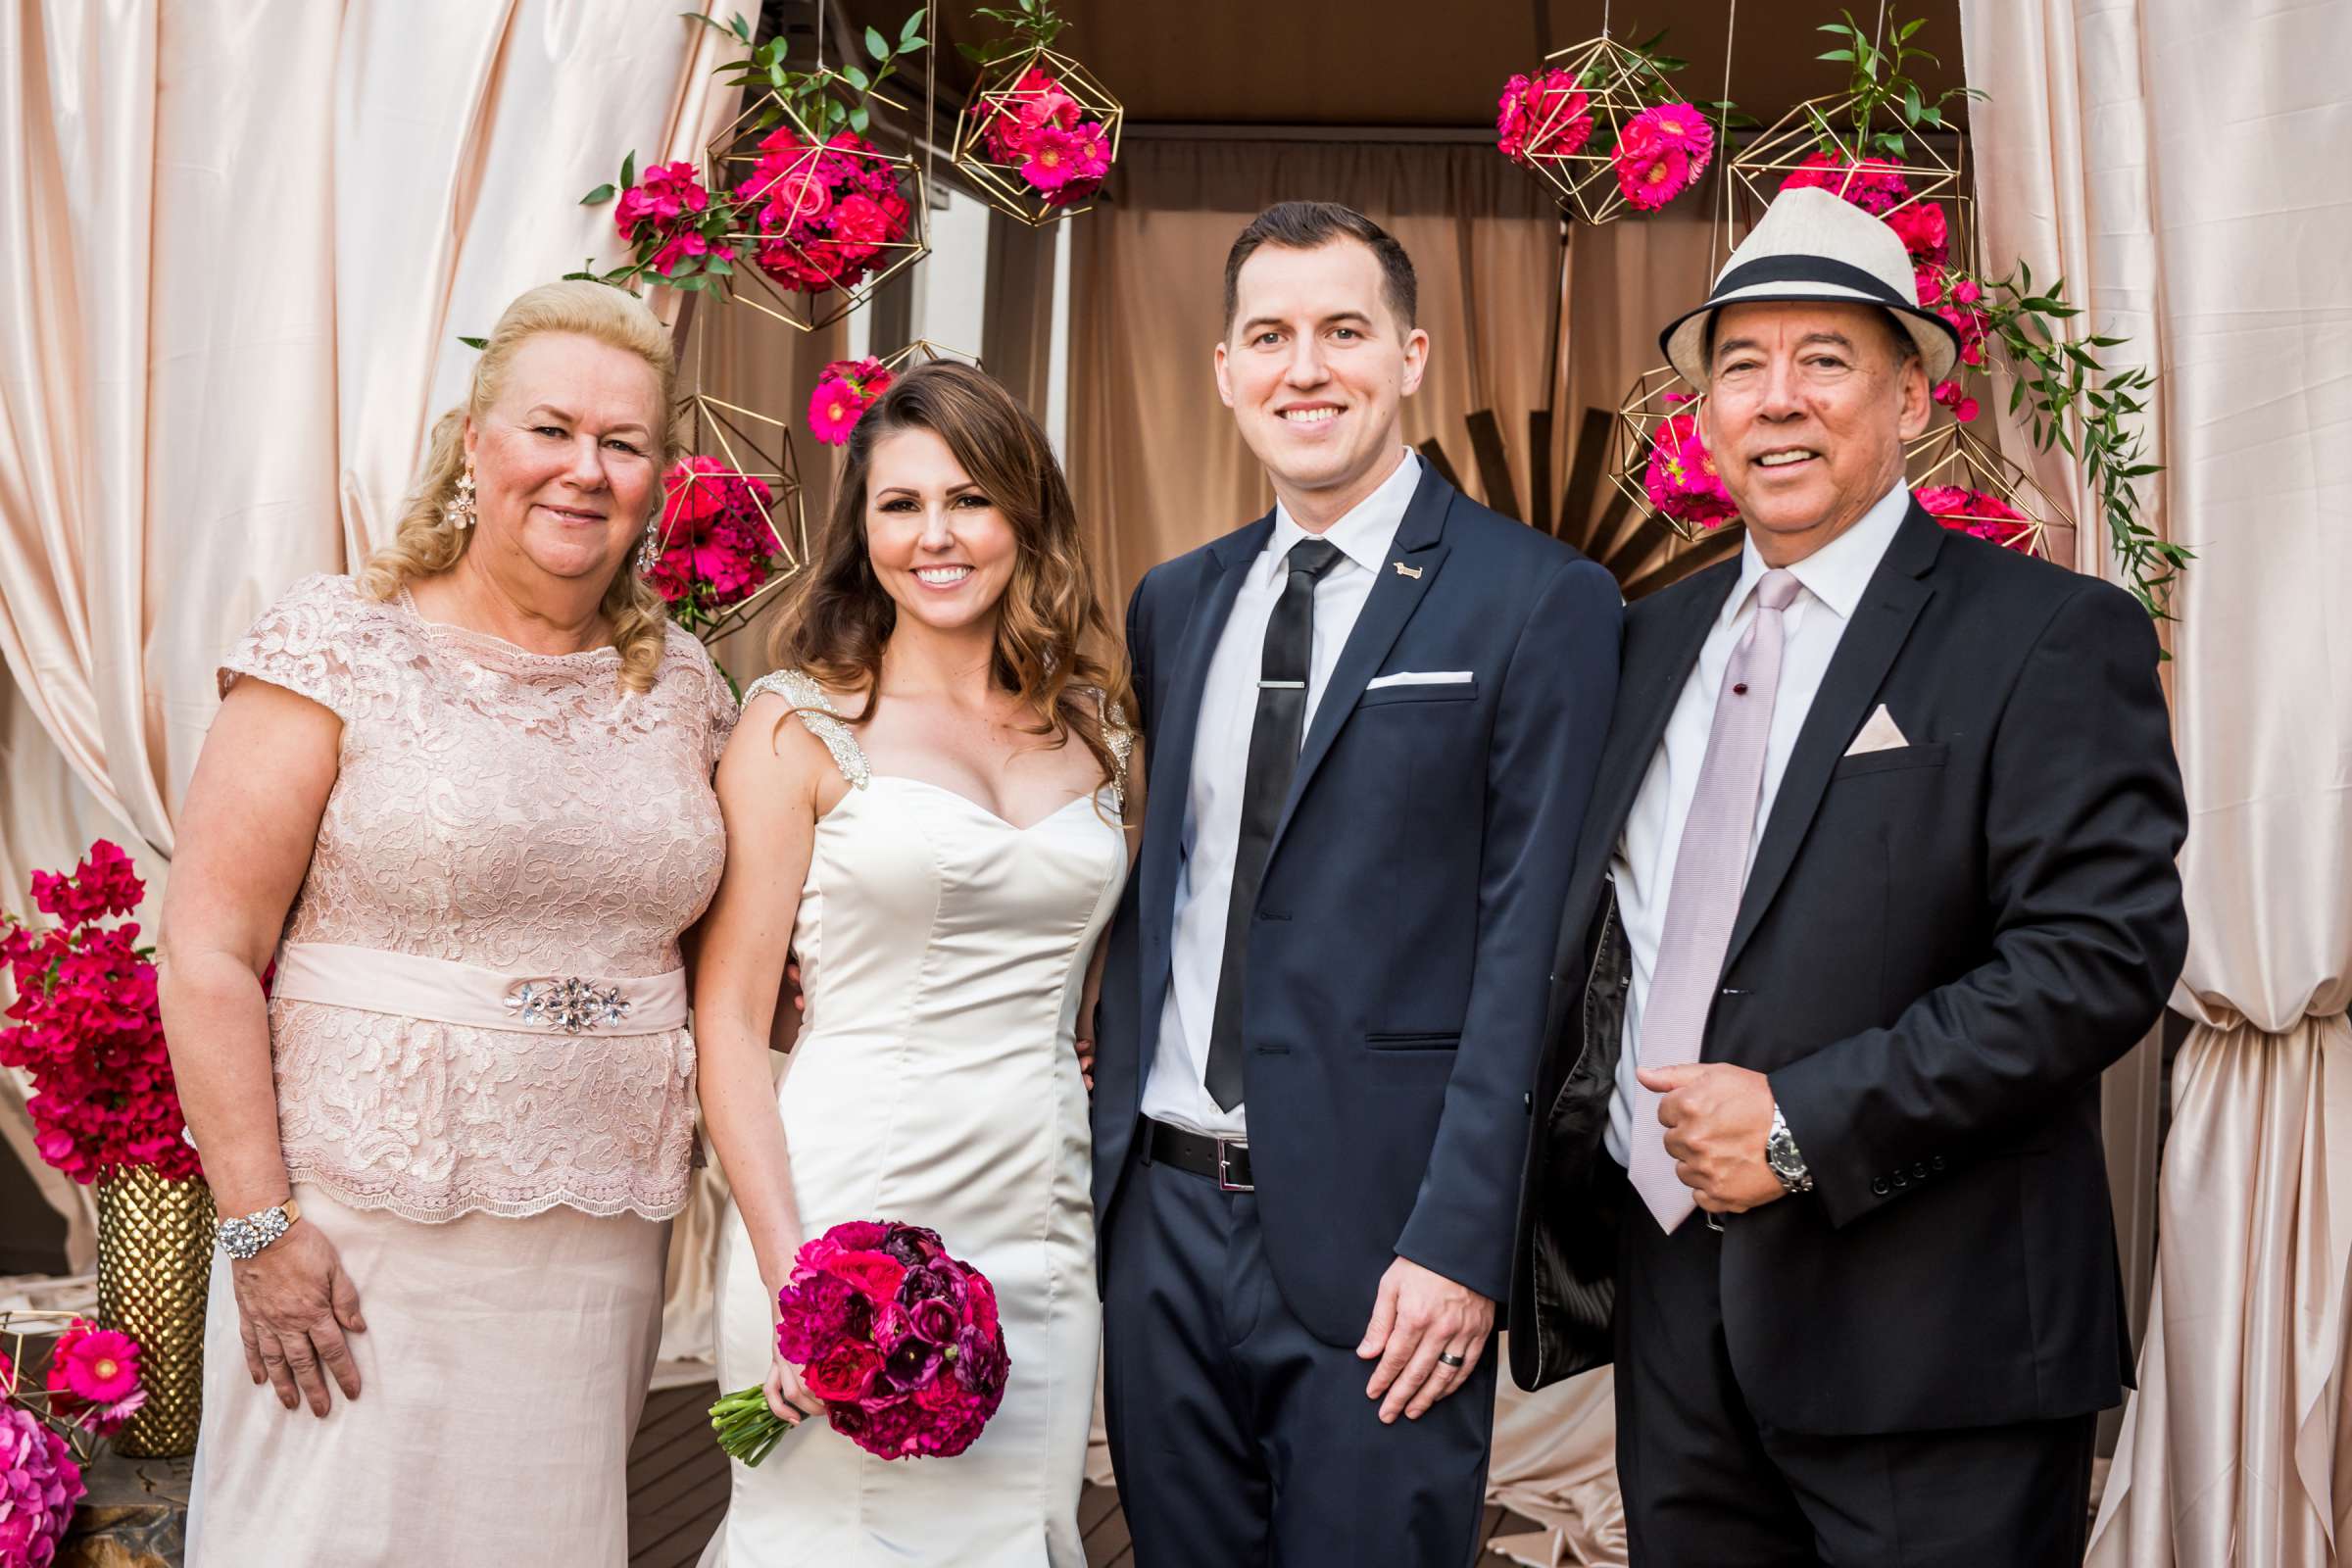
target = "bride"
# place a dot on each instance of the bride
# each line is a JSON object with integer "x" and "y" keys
{"x": 924, "y": 804}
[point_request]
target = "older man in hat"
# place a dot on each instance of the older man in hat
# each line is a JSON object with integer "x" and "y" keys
{"x": 1877, "y": 878}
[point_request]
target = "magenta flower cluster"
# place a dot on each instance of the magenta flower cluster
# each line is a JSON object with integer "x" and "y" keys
{"x": 1041, "y": 132}
{"x": 669, "y": 223}
{"x": 86, "y": 1030}
{"x": 1543, "y": 116}
{"x": 1979, "y": 513}
{"x": 844, "y": 392}
{"x": 900, "y": 1341}
{"x": 93, "y": 1377}
{"x": 717, "y": 544}
{"x": 1680, "y": 480}
{"x": 39, "y": 1485}
{"x": 1873, "y": 184}
{"x": 824, "y": 212}
{"x": 1660, "y": 154}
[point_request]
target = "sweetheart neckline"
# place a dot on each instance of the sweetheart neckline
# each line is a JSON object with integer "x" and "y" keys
{"x": 957, "y": 794}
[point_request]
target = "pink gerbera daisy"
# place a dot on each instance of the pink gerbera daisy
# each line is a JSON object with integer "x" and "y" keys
{"x": 1053, "y": 158}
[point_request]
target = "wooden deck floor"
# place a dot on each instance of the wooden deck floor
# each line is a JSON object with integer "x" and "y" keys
{"x": 678, "y": 1487}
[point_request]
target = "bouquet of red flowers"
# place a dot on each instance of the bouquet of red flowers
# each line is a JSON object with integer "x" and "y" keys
{"x": 823, "y": 213}
{"x": 88, "y": 1030}
{"x": 1040, "y": 130}
{"x": 718, "y": 546}
{"x": 899, "y": 1341}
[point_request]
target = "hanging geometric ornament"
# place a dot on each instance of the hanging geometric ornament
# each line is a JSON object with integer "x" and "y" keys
{"x": 734, "y": 528}
{"x": 1658, "y": 461}
{"x": 1039, "y": 133}
{"x": 1604, "y": 128}
{"x": 1969, "y": 486}
{"x": 820, "y": 223}
{"x": 1819, "y": 143}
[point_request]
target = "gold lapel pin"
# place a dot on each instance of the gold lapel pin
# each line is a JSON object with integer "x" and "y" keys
{"x": 1404, "y": 570}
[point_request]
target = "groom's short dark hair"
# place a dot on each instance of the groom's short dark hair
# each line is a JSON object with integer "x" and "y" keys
{"x": 1304, "y": 225}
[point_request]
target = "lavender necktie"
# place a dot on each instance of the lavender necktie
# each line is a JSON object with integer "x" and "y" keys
{"x": 1710, "y": 871}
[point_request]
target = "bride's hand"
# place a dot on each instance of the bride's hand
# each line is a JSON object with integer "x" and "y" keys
{"x": 1085, "y": 1043}
{"x": 791, "y": 1403}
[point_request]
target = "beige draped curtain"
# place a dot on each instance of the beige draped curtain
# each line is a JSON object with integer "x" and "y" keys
{"x": 2147, "y": 149}
{"x": 237, "y": 247}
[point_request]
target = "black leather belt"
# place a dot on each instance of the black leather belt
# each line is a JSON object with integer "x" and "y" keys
{"x": 1223, "y": 1160}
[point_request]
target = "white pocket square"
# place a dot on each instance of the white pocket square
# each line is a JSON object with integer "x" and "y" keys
{"x": 1878, "y": 734}
{"x": 1419, "y": 677}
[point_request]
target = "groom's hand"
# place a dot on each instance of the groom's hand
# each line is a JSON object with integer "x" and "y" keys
{"x": 1419, "y": 1315}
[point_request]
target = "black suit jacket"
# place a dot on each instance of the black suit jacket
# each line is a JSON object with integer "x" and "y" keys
{"x": 1937, "y": 952}
{"x": 1398, "y": 953}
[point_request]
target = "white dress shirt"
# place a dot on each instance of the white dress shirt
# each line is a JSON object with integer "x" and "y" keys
{"x": 1176, "y": 1090}
{"x": 1832, "y": 580}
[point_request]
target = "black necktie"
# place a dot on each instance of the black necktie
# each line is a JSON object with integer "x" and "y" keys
{"x": 1274, "y": 740}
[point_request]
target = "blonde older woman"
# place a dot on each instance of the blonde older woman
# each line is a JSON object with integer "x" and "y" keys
{"x": 463, "y": 802}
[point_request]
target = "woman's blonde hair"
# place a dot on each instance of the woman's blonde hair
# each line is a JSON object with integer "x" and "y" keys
{"x": 425, "y": 545}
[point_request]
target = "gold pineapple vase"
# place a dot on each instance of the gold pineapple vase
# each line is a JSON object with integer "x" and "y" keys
{"x": 154, "y": 1253}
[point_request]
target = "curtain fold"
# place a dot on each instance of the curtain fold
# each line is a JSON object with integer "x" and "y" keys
{"x": 2135, "y": 145}
{"x": 240, "y": 243}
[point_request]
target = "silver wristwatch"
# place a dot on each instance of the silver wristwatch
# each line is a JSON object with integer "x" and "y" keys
{"x": 1780, "y": 1152}
{"x": 243, "y": 1237}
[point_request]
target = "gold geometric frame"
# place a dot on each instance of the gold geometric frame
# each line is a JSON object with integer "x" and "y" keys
{"x": 1823, "y": 125}
{"x": 899, "y": 359}
{"x": 737, "y": 148}
{"x": 1587, "y": 178}
{"x": 1951, "y": 455}
{"x": 753, "y": 446}
{"x": 1654, "y": 397}
{"x": 997, "y": 87}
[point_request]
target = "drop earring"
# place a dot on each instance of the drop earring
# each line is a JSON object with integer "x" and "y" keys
{"x": 649, "y": 549}
{"x": 459, "y": 514}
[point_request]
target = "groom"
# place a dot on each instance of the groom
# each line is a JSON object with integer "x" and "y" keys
{"x": 1372, "y": 718}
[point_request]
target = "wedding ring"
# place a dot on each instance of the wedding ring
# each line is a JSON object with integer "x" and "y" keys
{"x": 1449, "y": 1358}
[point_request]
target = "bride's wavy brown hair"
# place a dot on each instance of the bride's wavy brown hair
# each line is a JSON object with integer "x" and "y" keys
{"x": 1051, "y": 630}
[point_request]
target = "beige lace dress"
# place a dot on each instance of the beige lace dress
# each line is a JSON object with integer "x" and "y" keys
{"x": 500, "y": 1196}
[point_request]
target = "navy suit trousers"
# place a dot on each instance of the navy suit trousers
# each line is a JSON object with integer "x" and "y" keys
{"x": 1243, "y": 1440}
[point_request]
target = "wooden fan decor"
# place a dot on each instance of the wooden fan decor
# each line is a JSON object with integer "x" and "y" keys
{"x": 1006, "y": 88}
{"x": 767, "y": 151}
{"x": 1572, "y": 145}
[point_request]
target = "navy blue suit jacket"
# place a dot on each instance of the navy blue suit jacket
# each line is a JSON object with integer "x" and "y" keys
{"x": 1399, "y": 954}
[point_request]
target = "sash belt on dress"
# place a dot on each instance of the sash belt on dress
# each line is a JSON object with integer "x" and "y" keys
{"x": 441, "y": 991}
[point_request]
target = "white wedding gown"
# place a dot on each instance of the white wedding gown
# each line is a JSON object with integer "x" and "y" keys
{"x": 943, "y": 952}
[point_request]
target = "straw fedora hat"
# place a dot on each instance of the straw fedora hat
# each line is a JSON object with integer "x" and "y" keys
{"x": 1815, "y": 245}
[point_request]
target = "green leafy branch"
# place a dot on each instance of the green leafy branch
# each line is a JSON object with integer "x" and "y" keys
{"x": 824, "y": 100}
{"x": 1882, "y": 84}
{"x": 1034, "y": 25}
{"x": 2090, "y": 411}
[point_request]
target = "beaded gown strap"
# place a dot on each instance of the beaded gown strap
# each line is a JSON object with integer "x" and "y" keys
{"x": 1121, "y": 740}
{"x": 816, "y": 709}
